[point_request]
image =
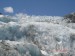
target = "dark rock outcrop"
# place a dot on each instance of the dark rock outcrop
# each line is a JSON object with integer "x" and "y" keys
{"x": 1, "y": 14}
{"x": 70, "y": 17}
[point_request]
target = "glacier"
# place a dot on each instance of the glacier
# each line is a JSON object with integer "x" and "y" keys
{"x": 25, "y": 35}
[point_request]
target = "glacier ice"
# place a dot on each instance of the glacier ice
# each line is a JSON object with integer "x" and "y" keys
{"x": 25, "y": 35}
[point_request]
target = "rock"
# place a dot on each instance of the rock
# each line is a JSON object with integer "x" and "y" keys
{"x": 1, "y": 15}
{"x": 70, "y": 17}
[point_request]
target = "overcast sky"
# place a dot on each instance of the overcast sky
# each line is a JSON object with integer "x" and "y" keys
{"x": 38, "y": 7}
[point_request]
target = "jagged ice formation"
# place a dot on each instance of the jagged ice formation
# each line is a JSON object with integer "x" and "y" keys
{"x": 24, "y": 35}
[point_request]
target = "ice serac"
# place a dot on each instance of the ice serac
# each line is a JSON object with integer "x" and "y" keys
{"x": 24, "y": 35}
{"x": 13, "y": 48}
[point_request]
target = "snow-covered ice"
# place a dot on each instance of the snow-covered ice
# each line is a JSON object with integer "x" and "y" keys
{"x": 25, "y": 35}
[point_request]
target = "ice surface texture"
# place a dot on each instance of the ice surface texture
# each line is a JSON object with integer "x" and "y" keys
{"x": 24, "y": 35}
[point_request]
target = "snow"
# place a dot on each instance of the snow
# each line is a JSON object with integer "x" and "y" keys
{"x": 44, "y": 52}
{"x": 1, "y": 16}
{"x": 24, "y": 35}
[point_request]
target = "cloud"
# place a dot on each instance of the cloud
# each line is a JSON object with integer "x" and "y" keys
{"x": 8, "y": 9}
